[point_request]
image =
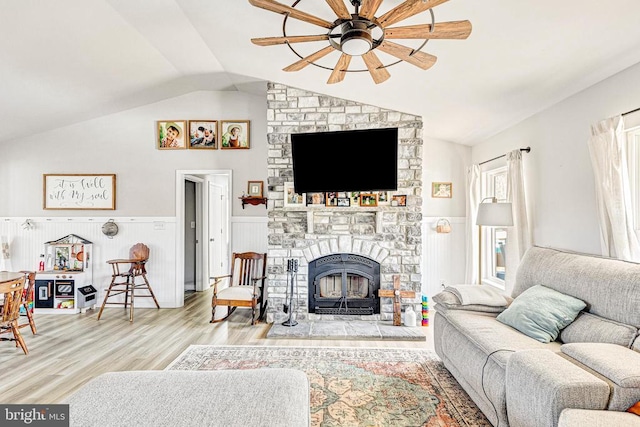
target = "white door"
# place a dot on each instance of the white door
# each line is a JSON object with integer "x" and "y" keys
{"x": 217, "y": 231}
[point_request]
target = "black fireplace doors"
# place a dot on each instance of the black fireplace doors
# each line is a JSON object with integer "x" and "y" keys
{"x": 344, "y": 284}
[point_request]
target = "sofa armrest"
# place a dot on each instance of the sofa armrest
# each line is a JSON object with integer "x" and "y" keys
{"x": 540, "y": 384}
{"x": 619, "y": 365}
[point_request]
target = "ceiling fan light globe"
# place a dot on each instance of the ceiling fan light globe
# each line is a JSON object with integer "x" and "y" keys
{"x": 355, "y": 46}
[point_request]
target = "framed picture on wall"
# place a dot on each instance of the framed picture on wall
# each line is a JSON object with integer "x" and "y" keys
{"x": 235, "y": 134}
{"x": 203, "y": 134}
{"x": 171, "y": 134}
{"x": 441, "y": 190}
{"x": 291, "y": 198}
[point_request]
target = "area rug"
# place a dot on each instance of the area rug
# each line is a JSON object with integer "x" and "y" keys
{"x": 356, "y": 386}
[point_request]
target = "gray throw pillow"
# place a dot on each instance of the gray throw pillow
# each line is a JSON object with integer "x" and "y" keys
{"x": 540, "y": 313}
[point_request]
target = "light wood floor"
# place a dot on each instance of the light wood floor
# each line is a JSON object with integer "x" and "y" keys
{"x": 69, "y": 350}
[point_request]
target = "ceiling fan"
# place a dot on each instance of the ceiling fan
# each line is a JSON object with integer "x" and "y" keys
{"x": 361, "y": 33}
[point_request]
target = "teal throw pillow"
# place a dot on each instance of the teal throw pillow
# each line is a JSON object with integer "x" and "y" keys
{"x": 540, "y": 313}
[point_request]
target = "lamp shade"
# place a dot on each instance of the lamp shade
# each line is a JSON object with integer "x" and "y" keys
{"x": 495, "y": 214}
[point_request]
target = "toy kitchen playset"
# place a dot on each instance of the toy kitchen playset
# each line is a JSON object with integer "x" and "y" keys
{"x": 64, "y": 282}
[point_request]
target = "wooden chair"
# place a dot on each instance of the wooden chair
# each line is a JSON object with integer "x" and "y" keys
{"x": 245, "y": 286}
{"x": 124, "y": 282}
{"x": 27, "y": 302}
{"x": 13, "y": 292}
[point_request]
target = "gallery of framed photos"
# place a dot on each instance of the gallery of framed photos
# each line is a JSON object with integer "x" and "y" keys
{"x": 203, "y": 134}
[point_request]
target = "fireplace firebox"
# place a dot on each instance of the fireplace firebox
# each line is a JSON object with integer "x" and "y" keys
{"x": 344, "y": 284}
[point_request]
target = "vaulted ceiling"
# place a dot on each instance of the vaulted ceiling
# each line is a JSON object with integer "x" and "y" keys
{"x": 66, "y": 61}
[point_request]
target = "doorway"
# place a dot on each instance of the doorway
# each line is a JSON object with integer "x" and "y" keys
{"x": 203, "y": 215}
{"x": 191, "y": 228}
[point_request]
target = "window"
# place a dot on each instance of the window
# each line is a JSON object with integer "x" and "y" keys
{"x": 494, "y": 239}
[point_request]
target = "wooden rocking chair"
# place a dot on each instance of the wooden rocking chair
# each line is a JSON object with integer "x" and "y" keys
{"x": 246, "y": 286}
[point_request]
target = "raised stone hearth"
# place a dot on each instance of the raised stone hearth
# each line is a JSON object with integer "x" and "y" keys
{"x": 346, "y": 329}
{"x": 388, "y": 235}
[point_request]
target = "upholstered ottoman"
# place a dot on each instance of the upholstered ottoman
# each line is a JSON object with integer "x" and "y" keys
{"x": 242, "y": 398}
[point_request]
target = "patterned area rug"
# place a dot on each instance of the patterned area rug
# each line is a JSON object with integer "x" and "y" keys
{"x": 356, "y": 386}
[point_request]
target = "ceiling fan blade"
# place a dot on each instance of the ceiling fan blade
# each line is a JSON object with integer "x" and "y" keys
{"x": 339, "y": 8}
{"x": 442, "y": 30}
{"x": 274, "y": 6}
{"x": 378, "y": 73}
{"x": 406, "y": 10}
{"x": 272, "y": 41}
{"x": 419, "y": 59}
{"x": 299, "y": 65}
{"x": 340, "y": 70}
{"x": 369, "y": 8}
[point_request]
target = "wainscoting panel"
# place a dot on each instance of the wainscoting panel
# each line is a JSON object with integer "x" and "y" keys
{"x": 159, "y": 234}
{"x": 249, "y": 234}
{"x": 444, "y": 254}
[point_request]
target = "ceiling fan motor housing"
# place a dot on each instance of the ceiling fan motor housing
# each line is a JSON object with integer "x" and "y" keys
{"x": 356, "y": 37}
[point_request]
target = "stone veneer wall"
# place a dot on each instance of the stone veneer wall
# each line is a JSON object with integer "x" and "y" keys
{"x": 390, "y": 235}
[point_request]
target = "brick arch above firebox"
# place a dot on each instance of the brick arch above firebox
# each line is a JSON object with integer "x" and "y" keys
{"x": 345, "y": 244}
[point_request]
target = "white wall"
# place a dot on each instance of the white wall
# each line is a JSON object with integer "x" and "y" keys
{"x": 124, "y": 144}
{"x": 443, "y": 255}
{"x": 444, "y": 162}
{"x": 559, "y": 178}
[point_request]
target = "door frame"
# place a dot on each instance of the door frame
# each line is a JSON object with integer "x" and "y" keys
{"x": 203, "y": 194}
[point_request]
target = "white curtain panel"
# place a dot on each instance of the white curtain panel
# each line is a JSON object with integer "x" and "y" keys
{"x": 518, "y": 236}
{"x": 473, "y": 199}
{"x": 521, "y": 239}
{"x": 608, "y": 149}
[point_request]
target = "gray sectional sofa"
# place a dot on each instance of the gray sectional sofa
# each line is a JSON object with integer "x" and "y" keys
{"x": 593, "y": 365}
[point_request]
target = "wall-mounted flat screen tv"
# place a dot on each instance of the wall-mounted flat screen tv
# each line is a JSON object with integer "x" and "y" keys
{"x": 357, "y": 160}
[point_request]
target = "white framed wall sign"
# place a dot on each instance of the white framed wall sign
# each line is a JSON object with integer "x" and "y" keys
{"x": 79, "y": 191}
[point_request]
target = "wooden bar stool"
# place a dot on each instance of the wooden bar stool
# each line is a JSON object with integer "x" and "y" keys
{"x": 125, "y": 282}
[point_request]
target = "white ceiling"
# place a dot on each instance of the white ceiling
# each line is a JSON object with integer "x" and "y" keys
{"x": 71, "y": 60}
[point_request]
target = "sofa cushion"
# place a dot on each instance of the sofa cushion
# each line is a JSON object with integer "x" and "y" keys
{"x": 540, "y": 312}
{"x": 611, "y": 288}
{"x": 591, "y": 328}
{"x": 636, "y": 344}
{"x": 490, "y": 335}
{"x": 619, "y": 364}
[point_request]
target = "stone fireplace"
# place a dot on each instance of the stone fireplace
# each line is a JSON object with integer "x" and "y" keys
{"x": 368, "y": 245}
